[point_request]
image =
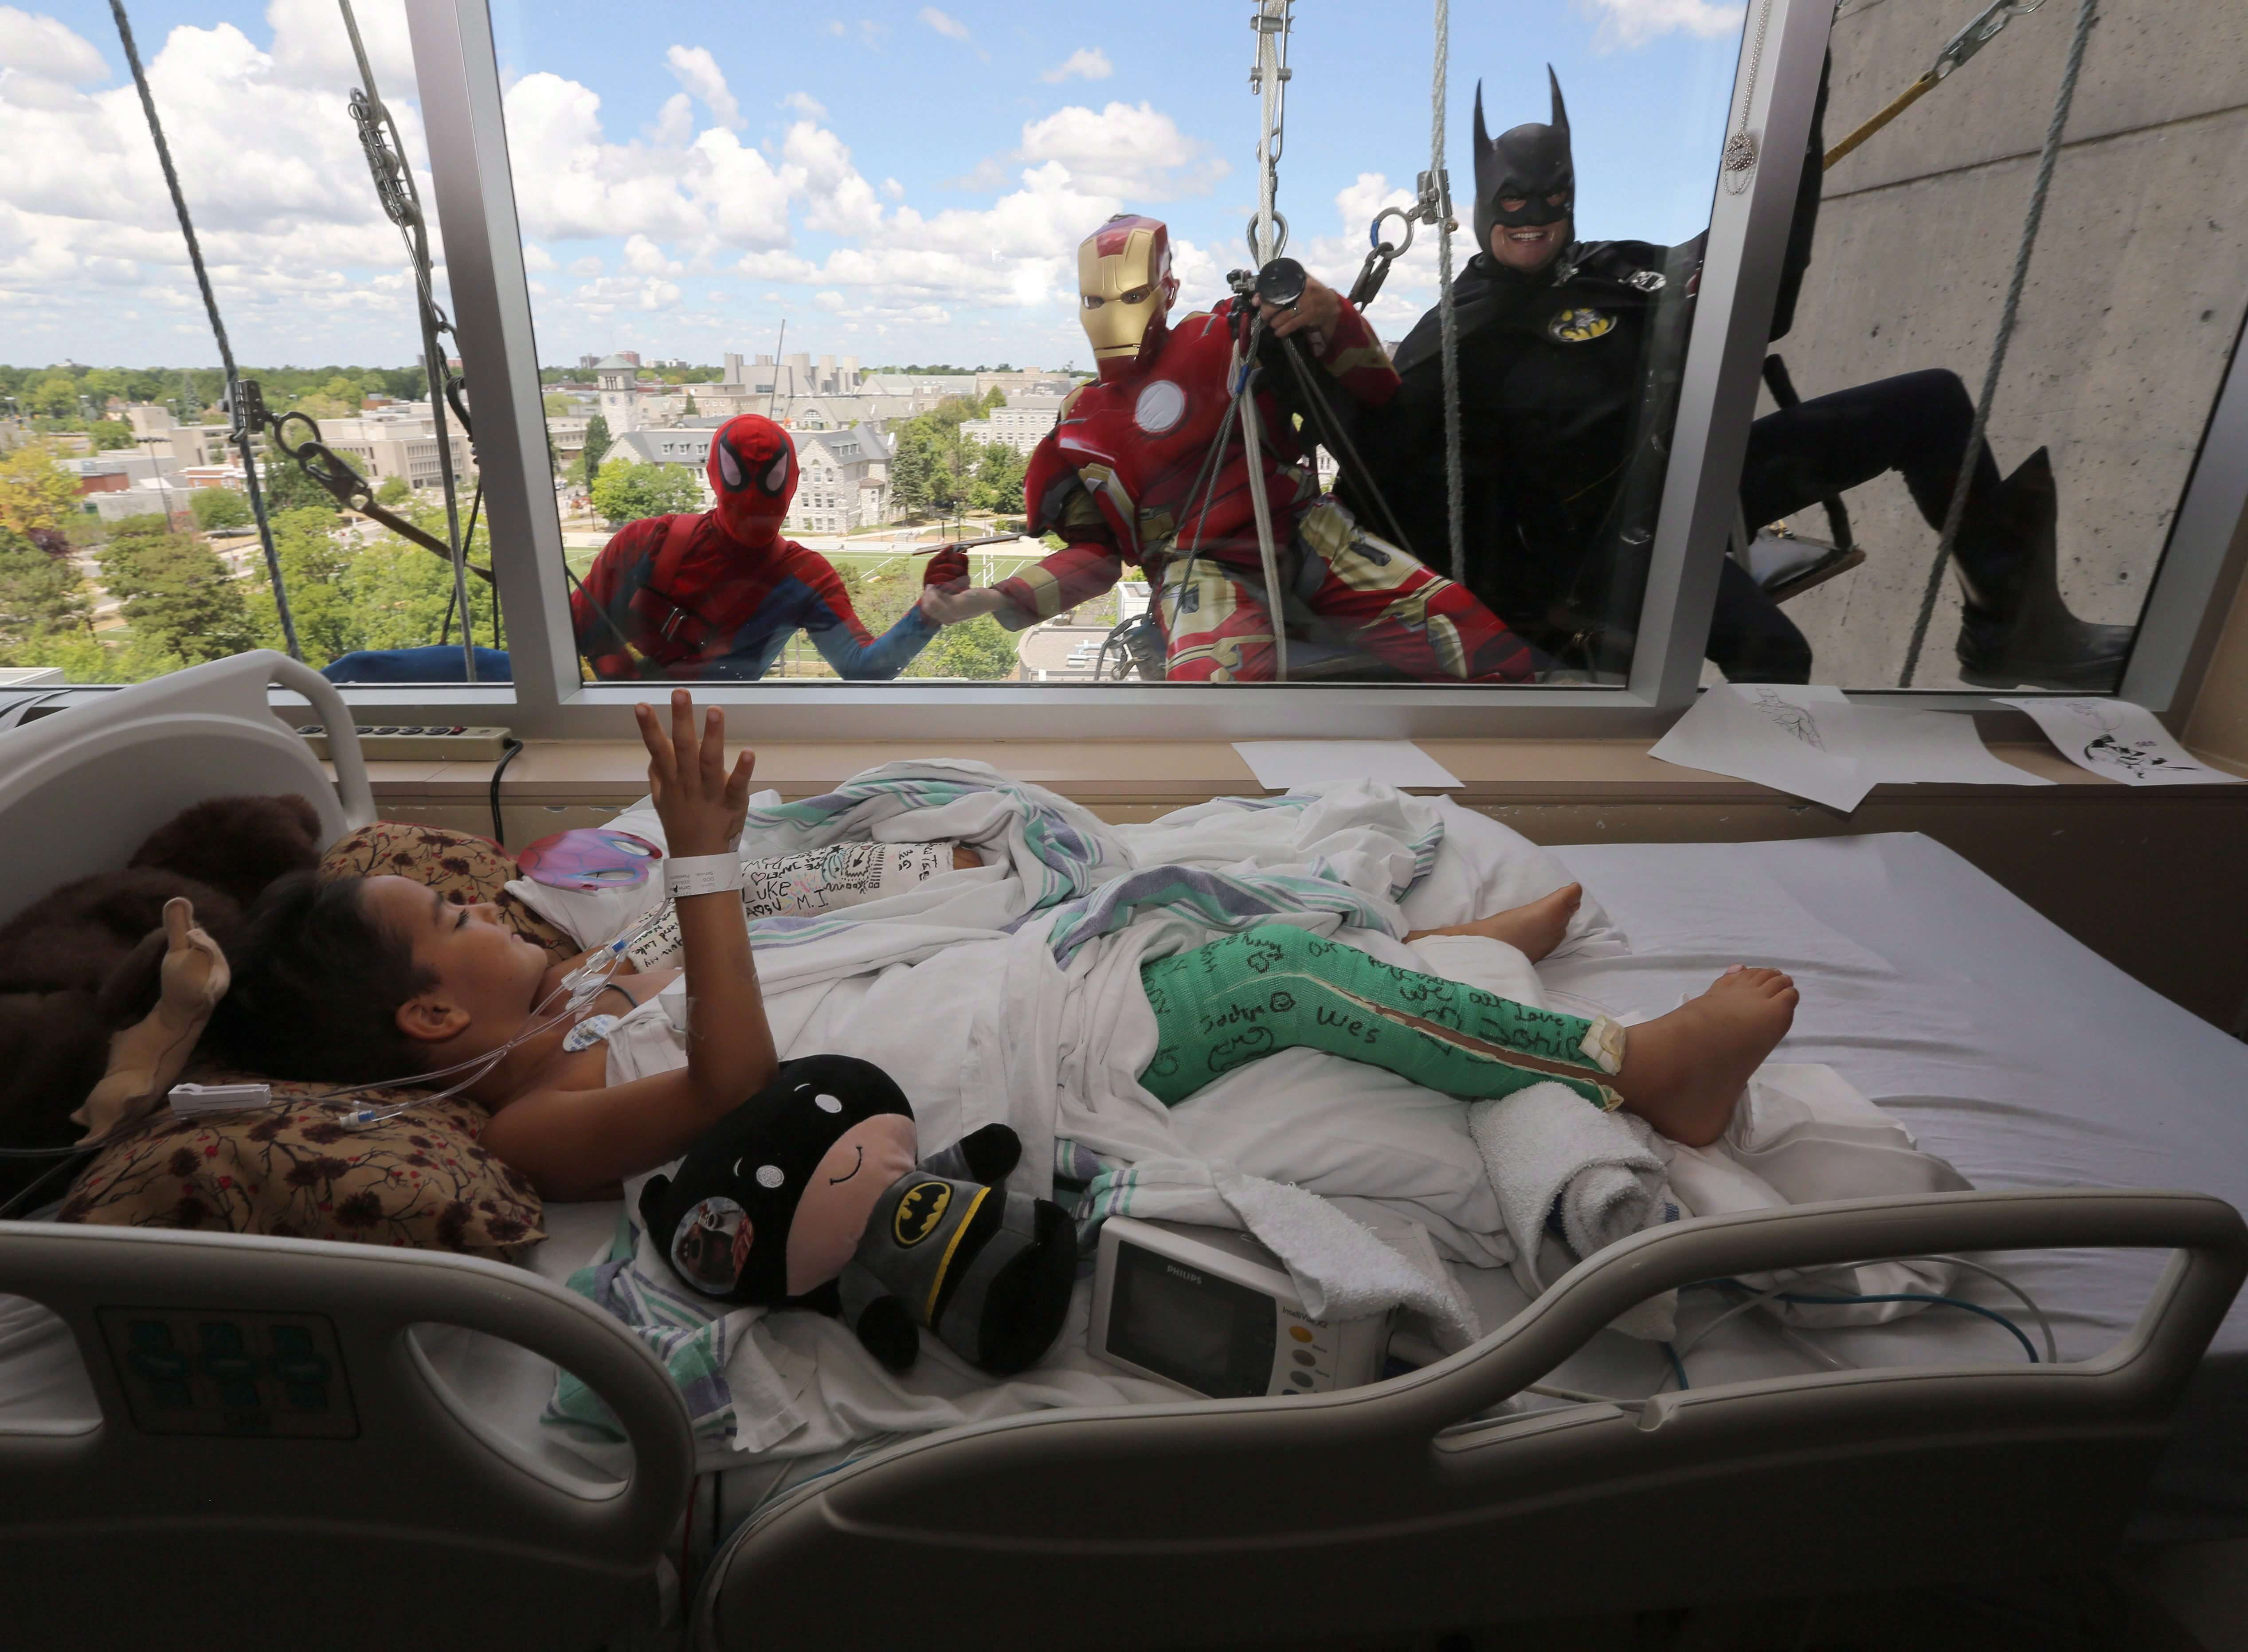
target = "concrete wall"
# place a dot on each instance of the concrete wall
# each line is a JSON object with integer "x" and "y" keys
{"x": 2135, "y": 299}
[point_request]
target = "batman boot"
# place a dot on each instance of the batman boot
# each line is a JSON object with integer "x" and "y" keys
{"x": 2017, "y": 630}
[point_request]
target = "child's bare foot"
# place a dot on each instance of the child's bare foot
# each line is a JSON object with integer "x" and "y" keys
{"x": 1682, "y": 1072}
{"x": 1534, "y": 931}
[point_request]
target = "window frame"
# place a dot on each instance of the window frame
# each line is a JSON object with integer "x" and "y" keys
{"x": 457, "y": 70}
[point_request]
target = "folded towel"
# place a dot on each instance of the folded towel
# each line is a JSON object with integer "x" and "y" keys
{"x": 1550, "y": 1153}
{"x": 1341, "y": 1270}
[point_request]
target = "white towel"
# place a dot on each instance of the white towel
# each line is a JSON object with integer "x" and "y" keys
{"x": 1549, "y": 1151}
{"x": 1341, "y": 1270}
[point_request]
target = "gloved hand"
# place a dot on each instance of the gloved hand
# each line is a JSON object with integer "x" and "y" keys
{"x": 948, "y": 567}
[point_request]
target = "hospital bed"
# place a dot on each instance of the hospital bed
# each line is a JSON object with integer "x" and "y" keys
{"x": 432, "y": 1507}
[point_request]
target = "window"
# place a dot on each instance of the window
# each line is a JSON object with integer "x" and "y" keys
{"x": 812, "y": 201}
{"x": 126, "y": 514}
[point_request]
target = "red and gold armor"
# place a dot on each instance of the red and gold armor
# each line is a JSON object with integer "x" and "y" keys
{"x": 1113, "y": 479}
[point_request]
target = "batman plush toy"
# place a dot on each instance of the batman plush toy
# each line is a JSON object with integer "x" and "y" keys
{"x": 808, "y": 1195}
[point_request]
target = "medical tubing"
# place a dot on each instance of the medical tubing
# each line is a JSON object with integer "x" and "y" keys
{"x": 2045, "y": 1325}
{"x": 2087, "y": 13}
{"x": 514, "y": 750}
{"x": 240, "y": 433}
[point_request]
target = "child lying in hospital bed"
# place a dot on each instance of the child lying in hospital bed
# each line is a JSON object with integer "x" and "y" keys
{"x": 366, "y": 980}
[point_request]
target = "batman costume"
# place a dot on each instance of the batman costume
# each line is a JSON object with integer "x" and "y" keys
{"x": 1569, "y": 375}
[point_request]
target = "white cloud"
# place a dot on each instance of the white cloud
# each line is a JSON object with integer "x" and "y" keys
{"x": 951, "y": 27}
{"x": 260, "y": 137}
{"x": 588, "y": 265}
{"x": 892, "y": 188}
{"x": 1086, "y": 63}
{"x": 1130, "y": 150}
{"x": 805, "y": 104}
{"x": 1626, "y": 24}
{"x": 697, "y": 71}
{"x": 45, "y": 47}
{"x": 536, "y": 258}
{"x": 644, "y": 258}
{"x": 612, "y": 293}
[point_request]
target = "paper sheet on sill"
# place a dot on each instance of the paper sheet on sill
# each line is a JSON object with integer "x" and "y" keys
{"x": 1806, "y": 739}
{"x": 1282, "y": 764}
{"x": 2120, "y": 740}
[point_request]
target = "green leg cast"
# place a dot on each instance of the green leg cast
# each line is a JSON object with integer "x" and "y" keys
{"x": 1279, "y": 988}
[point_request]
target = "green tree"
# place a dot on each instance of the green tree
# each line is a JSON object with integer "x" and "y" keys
{"x": 998, "y": 483}
{"x": 40, "y": 591}
{"x": 558, "y": 406}
{"x": 394, "y": 492}
{"x": 688, "y": 412}
{"x": 625, "y": 491}
{"x": 176, "y": 593}
{"x": 597, "y": 447}
{"x": 981, "y": 648}
{"x": 217, "y": 508}
{"x": 34, "y": 491}
{"x": 109, "y": 435}
{"x": 54, "y": 397}
{"x": 288, "y": 488}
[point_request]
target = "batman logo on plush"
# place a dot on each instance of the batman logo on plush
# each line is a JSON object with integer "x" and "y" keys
{"x": 808, "y": 1195}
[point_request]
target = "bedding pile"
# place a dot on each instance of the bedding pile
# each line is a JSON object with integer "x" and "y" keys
{"x": 1009, "y": 993}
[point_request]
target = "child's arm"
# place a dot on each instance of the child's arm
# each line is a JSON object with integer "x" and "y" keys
{"x": 571, "y": 1141}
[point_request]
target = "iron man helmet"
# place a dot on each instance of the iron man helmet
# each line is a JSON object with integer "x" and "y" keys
{"x": 1125, "y": 288}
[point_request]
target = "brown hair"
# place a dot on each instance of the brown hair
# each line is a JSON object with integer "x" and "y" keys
{"x": 317, "y": 984}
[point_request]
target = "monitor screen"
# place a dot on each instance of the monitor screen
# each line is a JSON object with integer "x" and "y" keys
{"x": 1190, "y": 1325}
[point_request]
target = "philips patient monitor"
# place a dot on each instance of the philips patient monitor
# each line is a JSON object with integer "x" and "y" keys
{"x": 1215, "y": 1312}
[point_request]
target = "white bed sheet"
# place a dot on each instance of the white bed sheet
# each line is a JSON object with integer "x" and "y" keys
{"x": 2003, "y": 1044}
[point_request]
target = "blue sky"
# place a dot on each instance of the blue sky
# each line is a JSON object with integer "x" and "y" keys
{"x": 899, "y": 181}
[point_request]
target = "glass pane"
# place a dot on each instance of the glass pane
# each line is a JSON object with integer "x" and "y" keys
{"x": 885, "y": 236}
{"x": 2133, "y": 300}
{"x": 127, "y": 547}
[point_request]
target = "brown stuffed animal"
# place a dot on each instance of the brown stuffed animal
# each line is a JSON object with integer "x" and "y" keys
{"x": 83, "y": 962}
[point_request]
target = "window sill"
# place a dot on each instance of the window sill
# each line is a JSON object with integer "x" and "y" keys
{"x": 1152, "y": 776}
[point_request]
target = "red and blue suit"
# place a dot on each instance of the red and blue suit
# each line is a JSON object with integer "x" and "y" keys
{"x": 719, "y": 594}
{"x": 1122, "y": 480}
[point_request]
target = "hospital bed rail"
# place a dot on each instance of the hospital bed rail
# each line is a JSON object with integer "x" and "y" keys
{"x": 344, "y": 1497}
{"x": 1405, "y": 1506}
{"x": 80, "y": 789}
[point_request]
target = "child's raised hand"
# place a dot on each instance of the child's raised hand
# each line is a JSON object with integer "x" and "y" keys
{"x": 699, "y": 799}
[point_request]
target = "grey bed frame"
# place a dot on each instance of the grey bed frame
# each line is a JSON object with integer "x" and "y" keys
{"x": 1386, "y": 1508}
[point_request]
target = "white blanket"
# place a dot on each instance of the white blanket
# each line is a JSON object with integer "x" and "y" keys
{"x": 969, "y": 997}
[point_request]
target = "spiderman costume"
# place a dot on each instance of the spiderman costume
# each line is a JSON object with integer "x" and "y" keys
{"x": 1122, "y": 479}
{"x": 718, "y": 595}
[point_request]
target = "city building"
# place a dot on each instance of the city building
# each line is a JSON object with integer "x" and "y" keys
{"x": 398, "y": 442}
{"x": 688, "y": 449}
{"x": 1020, "y": 423}
{"x": 842, "y": 480}
{"x": 619, "y": 378}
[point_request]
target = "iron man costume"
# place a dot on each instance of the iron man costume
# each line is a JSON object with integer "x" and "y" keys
{"x": 1122, "y": 479}
{"x": 719, "y": 594}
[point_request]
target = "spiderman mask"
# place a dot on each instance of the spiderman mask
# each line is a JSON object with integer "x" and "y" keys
{"x": 752, "y": 470}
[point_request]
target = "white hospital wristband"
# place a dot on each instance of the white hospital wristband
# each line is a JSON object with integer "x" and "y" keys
{"x": 701, "y": 874}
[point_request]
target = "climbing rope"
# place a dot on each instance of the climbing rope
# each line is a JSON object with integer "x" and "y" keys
{"x": 402, "y": 204}
{"x": 1448, "y": 318}
{"x": 240, "y": 433}
{"x": 1268, "y": 232}
{"x": 2087, "y": 14}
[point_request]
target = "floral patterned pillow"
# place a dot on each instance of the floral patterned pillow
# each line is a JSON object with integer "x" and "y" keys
{"x": 462, "y": 868}
{"x": 296, "y": 1170}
